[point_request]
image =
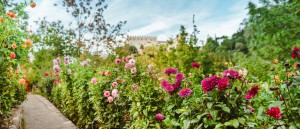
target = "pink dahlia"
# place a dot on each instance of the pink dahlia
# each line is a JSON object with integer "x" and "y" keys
{"x": 58, "y": 60}
{"x": 295, "y": 52}
{"x": 274, "y": 112}
{"x": 252, "y": 92}
{"x": 55, "y": 62}
{"x": 93, "y": 80}
{"x": 114, "y": 84}
{"x": 165, "y": 83}
{"x": 110, "y": 99}
{"x": 195, "y": 65}
{"x": 131, "y": 61}
{"x": 223, "y": 83}
{"x": 232, "y": 74}
{"x": 176, "y": 85}
{"x": 185, "y": 92}
{"x": 159, "y": 116}
{"x": 106, "y": 93}
{"x": 169, "y": 88}
{"x": 208, "y": 84}
{"x": 117, "y": 61}
{"x": 170, "y": 71}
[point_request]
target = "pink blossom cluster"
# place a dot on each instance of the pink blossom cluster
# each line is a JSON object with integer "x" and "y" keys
{"x": 114, "y": 94}
{"x": 131, "y": 64}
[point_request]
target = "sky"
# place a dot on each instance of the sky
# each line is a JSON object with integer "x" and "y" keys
{"x": 161, "y": 18}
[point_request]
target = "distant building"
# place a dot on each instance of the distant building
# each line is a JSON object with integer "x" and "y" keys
{"x": 140, "y": 42}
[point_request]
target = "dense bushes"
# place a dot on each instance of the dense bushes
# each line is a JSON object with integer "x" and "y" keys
{"x": 14, "y": 47}
{"x": 127, "y": 95}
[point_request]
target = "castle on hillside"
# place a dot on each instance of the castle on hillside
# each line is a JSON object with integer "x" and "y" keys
{"x": 140, "y": 42}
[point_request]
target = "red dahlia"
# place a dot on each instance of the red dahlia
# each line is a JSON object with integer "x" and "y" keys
{"x": 274, "y": 112}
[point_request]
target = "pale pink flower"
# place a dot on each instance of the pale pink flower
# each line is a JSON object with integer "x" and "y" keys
{"x": 69, "y": 71}
{"x": 106, "y": 73}
{"x": 114, "y": 84}
{"x": 56, "y": 68}
{"x": 115, "y": 93}
{"x": 149, "y": 71}
{"x": 106, "y": 93}
{"x": 93, "y": 80}
{"x": 110, "y": 99}
{"x": 55, "y": 62}
{"x": 131, "y": 61}
{"x": 134, "y": 86}
{"x": 58, "y": 60}
{"x": 133, "y": 70}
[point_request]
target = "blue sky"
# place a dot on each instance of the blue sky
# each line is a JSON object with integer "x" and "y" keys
{"x": 161, "y": 18}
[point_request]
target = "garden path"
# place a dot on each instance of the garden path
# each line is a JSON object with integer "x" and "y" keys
{"x": 39, "y": 113}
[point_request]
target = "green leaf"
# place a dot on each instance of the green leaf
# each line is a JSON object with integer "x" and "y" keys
{"x": 276, "y": 104}
{"x": 235, "y": 123}
{"x": 241, "y": 120}
{"x": 292, "y": 127}
{"x": 260, "y": 111}
{"x": 186, "y": 124}
{"x": 170, "y": 106}
{"x": 219, "y": 125}
{"x": 226, "y": 109}
{"x": 209, "y": 105}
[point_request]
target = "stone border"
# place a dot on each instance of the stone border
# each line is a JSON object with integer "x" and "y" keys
{"x": 16, "y": 118}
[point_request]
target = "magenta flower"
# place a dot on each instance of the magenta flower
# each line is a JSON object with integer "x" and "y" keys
{"x": 208, "y": 84}
{"x": 274, "y": 112}
{"x": 232, "y": 74}
{"x": 93, "y": 80}
{"x": 106, "y": 93}
{"x": 169, "y": 88}
{"x": 195, "y": 65}
{"x": 165, "y": 83}
{"x": 252, "y": 92}
{"x": 58, "y": 60}
{"x": 117, "y": 61}
{"x": 223, "y": 83}
{"x": 159, "y": 116}
{"x": 110, "y": 99}
{"x": 170, "y": 71}
{"x": 185, "y": 92}
{"x": 295, "y": 52}
{"x": 176, "y": 85}
{"x": 179, "y": 76}
{"x": 114, "y": 84}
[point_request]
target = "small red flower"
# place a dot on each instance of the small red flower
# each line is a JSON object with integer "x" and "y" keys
{"x": 274, "y": 112}
{"x": 195, "y": 65}
{"x": 46, "y": 74}
{"x": 295, "y": 52}
{"x": 252, "y": 92}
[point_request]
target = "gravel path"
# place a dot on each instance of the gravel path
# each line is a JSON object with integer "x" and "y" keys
{"x": 39, "y": 113}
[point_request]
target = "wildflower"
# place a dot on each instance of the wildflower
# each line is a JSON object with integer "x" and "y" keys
{"x": 208, "y": 84}
{"x": 133, "y": 70}
{"x": 110, "y": 99}
{"x": 170, "y": 71}
{"x": 22, "y": 81}
{"x": 117, "y": 61}
{"x": 46, "y": 74}
{"x": 185, "y": 92}
{"x": 159, "y": 116}
{"x": 276, "y": 78}
{"x": 93, "y": 80}
{"x": 69, "y": 71}
{"x": 223, "y": 83}
{"x": 56, "y": 68}
{"x": 275, "y": 61}
{"x": 115, "y": 93}
{"x": 274, "y": 112}
{"x": 195, "y": 65}
{"x": 114, "y": 84}
{"x": 252, "y": 92}
{"x": 135, "y": 87}
{"x": 84, "y": 63}
{"x": 295, "y": 52}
